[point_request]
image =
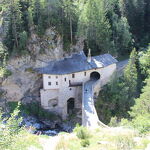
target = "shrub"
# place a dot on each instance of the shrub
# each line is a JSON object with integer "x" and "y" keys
{"x": 113, "y": 122}
{"x": 33, "y": 109}
{"x": 30, "y": 70}
{"x": 85, "y": 143}
{"x": 4, "y": 73}
{"x": 142, "y": 123}
{"x": 12, "y": 136}
{"x": 82, "y": 132}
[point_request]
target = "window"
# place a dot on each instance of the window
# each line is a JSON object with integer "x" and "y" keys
{"x": 65, "y": 79}
{"x": 73, "y": 75}
{"x": 84, "y": 73}
{"x": 56, "y": 83}
{"x": 49, "y": 77}
{"x": 56, "y": 77}
{"x": 49, "y": 83}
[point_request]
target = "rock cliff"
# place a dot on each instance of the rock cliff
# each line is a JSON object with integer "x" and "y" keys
{"x": 23, "y": 83}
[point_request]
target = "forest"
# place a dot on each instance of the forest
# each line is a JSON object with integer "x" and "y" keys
{"x": 118, "y": 27}
{"x": 114, "y": 26}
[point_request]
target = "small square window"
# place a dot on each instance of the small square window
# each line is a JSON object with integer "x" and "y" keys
{"x": 73, "y": 75}
{"x": 49, "y": 83}
{"x": 49, "y": 77}
{"x": 56, "y": 77}
{"x": 56, "y": 83}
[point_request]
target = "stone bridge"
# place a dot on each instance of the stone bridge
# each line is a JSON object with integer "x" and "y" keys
{"x": 89, "y": 114}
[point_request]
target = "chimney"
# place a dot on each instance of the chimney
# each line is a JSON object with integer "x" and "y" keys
{"x": 89, "y": 56}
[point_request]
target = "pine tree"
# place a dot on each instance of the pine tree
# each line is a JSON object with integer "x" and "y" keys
{"x": 140, "y": 112}
{"x": 15, "y": 21}
{"x": 121, "y": 35}
{"x": 145, "y": 62}
{"x": 94, "y": 26}
{"x": 133, "y": 10}
{"x": 130, "y": 76}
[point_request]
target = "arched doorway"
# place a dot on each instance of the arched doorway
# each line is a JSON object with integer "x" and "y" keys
{"x": 95, "y": 76}
{"x": 70, "y": 106}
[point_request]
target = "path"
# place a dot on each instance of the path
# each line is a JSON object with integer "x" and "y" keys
{"x": 89, "y": 114}
{"x": 121, "y": 65}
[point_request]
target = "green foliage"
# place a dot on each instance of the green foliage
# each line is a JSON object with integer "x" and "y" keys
{"x": 85, "y": 142}
{"x": 82, "y": 132}
{"x": 94, "y": 25}
{"x": 141, "y": 123}
{"x": 3, "y": 55}
{"x": 140, "y": 112}
{"x": 117, "y": 97}
{"x": 145, "y": 62}
{"x": 131, "y": 74}
{"x": 9, "y": 131}
{"x": 23, "y": 40}
{"x": 62, "y": 144}
{"x": 136, "y": 11}
{"x": 106, "y": 25}
{"x": 124, "y": 142}
{"x": 33, "y": 109}
{"x": 12, "y": 136}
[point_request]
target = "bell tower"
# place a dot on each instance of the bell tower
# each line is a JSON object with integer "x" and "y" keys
{"x": 89, "y": 56}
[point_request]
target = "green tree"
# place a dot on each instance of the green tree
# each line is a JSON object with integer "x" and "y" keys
{"x": 145, "y": 62}
{"x": 3, "y": 55}
{"x": 140, "y": 112}
{"x": 94, "y": 26}
{"x": 15, "y": 21}
{"x": 121, "y": 36}
{"x": 130, "y": 76}
{"x": 134, "y": 10}
{"x": 23, "y": 40}
{"x": 69, "y": 10}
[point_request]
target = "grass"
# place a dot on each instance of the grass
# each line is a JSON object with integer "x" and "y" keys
{"x": 103, "y": 139}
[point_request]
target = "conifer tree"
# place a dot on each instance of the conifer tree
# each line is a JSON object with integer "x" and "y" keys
{"x": 94, "y": 26}
{"x": 130, "y": 77}
{"x": 15, "y": 21}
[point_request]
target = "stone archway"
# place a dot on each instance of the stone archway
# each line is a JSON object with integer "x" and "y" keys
{"x": 70, "y": 106}
{"x": 95, "y": 76}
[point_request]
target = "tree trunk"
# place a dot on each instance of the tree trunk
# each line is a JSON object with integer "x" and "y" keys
{"x": 71, "y": 29}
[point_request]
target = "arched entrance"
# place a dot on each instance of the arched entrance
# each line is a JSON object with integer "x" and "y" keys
{"x": 70, "y": 106}
{"x": 95, "y": 76}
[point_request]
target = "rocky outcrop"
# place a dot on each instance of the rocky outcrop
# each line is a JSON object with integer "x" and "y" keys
{"x": 24, "y": 83}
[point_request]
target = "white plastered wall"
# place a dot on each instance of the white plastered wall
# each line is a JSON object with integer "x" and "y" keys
{"x": 63, "y": 92}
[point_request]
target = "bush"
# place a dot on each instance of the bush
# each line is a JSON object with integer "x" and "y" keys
{"x": 4, "y": 73}
{"x": 113, "y": 122}
{"x": 33, "y": 109}
{"x": 30, "y": 70}
{"x": 85, "y": 143}
{"x": 82, "y": 132}
{"x": 142, "y": 123}
{"x": 12, "y": 136}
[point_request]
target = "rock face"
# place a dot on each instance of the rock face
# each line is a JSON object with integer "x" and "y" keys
{"x": 24, "y": 83}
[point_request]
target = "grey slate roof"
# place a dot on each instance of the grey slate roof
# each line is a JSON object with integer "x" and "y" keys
{"x": 76, "y": 63}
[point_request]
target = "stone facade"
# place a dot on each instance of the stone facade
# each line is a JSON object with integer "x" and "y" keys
{"x": 58, "y": 90}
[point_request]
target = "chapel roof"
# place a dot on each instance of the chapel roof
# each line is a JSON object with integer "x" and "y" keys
{"x": 76, "y": 63}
